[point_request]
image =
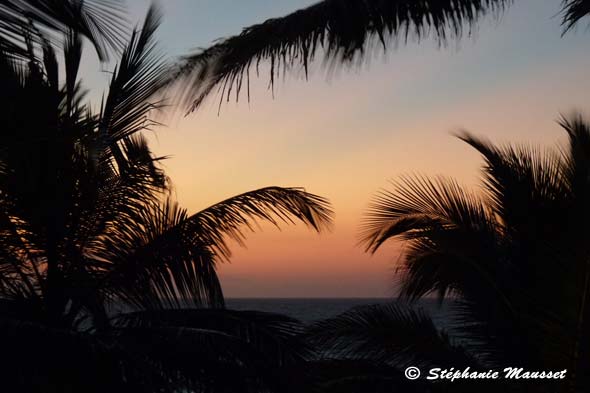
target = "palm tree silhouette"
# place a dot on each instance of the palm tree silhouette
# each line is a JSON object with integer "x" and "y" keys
{"x": 106, "y": 284}
{"x": 342, "y": 31}
{"x": 514, "y": 259}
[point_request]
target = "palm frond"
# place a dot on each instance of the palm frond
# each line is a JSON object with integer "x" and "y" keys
{"x": 137, "y": 78}
{"x": 573, "y": 11}
{"x": 72, "y": 59}
{"x": 161, "y": 257}
{"x": 100, "y": 21}
{"x": 453, "y": 242}
{"x": 528, "y": 190}
{"x": 518, "y": 176}
{"x": 577, "y": 156}
{"x": 575, "y": 319}
{"x": 110, "y": 198}
{"x": 153, "y": 262}
{"x": 19, "y": 271}
{"x": 419, "y": 204}
{"x": 201, "y": 347}
{"x": 343, "y": 29}
{"x": 501, "y": 336}
{"x": 275, "y": 335}
{"x": 229, "y": 218}
{"x": 393, "y": 334}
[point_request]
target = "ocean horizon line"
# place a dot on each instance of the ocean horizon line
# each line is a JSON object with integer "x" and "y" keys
{"x": 308, "y": 297}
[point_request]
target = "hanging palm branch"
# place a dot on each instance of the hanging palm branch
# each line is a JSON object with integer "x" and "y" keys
{"x": 229, "y": 218}
{"x": 164, "y": 258}
{"x": 151, "y": 262}
{"x": 339, "y": 30}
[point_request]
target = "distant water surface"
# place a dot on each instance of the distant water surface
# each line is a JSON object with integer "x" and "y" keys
{"x": 313, "y": 309}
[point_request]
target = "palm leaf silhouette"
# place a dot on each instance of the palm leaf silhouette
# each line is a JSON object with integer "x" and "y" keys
{"x": 573, "y": 11}
{"x": 496, "y": 252}
{"x": 100, "y": 21}
{"x": 340, "y": 30}
{"x": 254, "y": 346}
{"x": 393, "y": 334}
{"x": 88, "y": 228}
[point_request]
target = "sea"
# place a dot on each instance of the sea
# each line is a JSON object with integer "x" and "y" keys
{"x": 309, "y": 310}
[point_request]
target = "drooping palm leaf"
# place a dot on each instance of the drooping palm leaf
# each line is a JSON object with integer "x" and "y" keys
{"x": 450, "y": 232}
{"x": 418, "y": 204}
{"x": 163, "y": 257}
{"x": 342, "y": 29}
{"x": 153, "y": 262}
{"x": 393, "y": 334}
{"x": 229, "y": 218}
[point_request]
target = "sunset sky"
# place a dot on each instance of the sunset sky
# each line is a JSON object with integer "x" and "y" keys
{"x": 343, "y": 136}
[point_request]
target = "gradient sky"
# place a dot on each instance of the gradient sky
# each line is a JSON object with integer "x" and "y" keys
{"x": 344, "y": 136}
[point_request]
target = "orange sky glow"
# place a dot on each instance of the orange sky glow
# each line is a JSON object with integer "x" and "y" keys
{"x": 345, "y": 136}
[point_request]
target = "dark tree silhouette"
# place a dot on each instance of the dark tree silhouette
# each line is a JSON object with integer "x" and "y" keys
{"x": 106, "y": 285}
{"x": 514, "y": 258}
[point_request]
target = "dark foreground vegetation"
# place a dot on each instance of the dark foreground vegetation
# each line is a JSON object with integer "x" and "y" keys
{"x": 88, "y": 226}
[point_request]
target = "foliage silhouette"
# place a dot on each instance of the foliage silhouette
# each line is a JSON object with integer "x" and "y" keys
{"x": 100, "y": 21}
{"x": 369, "y": 347}
{"x": 106, "y": 284}
{"x": 513, "y": 259}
